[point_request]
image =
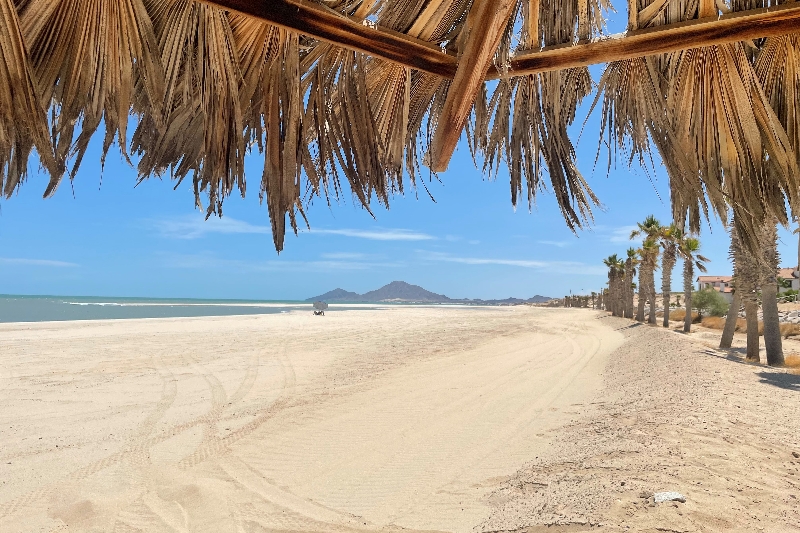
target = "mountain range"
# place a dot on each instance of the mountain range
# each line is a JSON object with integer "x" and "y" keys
{"x": 400, "y": 291}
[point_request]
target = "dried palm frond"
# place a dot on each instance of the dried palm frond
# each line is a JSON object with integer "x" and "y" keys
{"x": 89, "y": 57}
{"x": 526, "y": 119}
{"x": 732, "y": 135}
{"x": 634, "y": 114}
{"x": 340, "y": 125}
{"x": 273, "y": 110}
{"x": 23, "y": 124}
{"x": 204, "y": 133}
{"x": 778, "y": 69}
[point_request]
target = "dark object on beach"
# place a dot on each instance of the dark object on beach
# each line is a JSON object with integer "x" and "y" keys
{"x": 320, "y": 308}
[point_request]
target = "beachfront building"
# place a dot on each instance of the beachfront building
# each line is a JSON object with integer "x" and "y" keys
{"x": 791, "y": 276}
{"x": 724, "y": 284}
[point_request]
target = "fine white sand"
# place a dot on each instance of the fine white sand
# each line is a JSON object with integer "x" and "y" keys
{"x": 359, "y": 420}
{"x": 406, "y": 419}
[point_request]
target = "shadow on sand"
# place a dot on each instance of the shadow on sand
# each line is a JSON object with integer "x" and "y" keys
{"x": 775, "y": 378}
{"x": 779, "y": 379}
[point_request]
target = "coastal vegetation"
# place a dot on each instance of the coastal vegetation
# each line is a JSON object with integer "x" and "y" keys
{"x": 755, "y": 287}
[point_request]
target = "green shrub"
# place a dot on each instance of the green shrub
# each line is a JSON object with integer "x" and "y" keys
{"x": 710, "y": 302}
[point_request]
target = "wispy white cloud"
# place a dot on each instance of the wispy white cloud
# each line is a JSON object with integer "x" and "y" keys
{"x": 348, "y": 256}
{"x": 621, "y": 234}
{"x": 36, "y": 262}
{"x": 209, "y": 261}
{"x": 194, "y": 227}
{"x": 376, "y": 234}
{"x": 559, "y": 244}
{"x": 561, "y": 267}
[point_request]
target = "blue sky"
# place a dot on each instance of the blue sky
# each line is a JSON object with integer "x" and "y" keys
{"x": 109, "y": 238}
{"x": 115, "y": 239}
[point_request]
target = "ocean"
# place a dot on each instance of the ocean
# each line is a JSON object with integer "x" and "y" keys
{"x": 15, "y": 308}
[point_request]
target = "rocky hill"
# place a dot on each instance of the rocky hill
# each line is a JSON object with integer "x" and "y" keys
{"x": 396, "y": 291}
{"x": 400, "y": 291}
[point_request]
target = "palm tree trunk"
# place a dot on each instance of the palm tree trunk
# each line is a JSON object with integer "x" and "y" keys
{"x": 651, "y": 289}
{"x": 612, "y": 295}
{"x": 772, "y": 325}
{"x": 627, "y": 310}
{"x": 730, "y": 321}
{"x": 769, "y": 296}
{"x": 629, "y": 298}
{"x": 667, "y": 264}
{"x": 751, "y": 314}
{"x": 688, "y": 274}
{"x": 642, "y": 293}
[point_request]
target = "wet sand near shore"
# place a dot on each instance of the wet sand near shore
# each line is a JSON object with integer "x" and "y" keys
{"x": 407, "y": 419}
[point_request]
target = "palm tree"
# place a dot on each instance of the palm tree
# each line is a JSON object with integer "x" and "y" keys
{"x": 670, "y": 237}
{"x": 688, "y": 248}
{"x": 615, "y": 266}
{"x": 769, "y": 294}
{"x": 630, "y": 270}
{"x": 733, "y": 311}
{"x": 648, "y": 254}
{"x": 747, "y": 284}
{"x": 651, "y": 230}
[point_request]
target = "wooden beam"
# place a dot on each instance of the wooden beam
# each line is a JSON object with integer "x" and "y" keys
{"x": 482, "y": 32}
{"x": 707, "y": 9}
{"x": 741, "y": 26}
{"x": 314, "y": 20}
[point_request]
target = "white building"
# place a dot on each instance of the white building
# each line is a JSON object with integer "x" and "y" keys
{"x": 724, "y": 286}
{"x": 720, "y": 283}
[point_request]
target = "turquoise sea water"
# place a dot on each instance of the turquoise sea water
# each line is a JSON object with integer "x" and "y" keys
{"x": 45, "y": 308}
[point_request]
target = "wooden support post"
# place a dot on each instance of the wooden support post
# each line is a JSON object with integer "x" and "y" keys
{"x": 583, "y": 20}
{"x": 633, "y": 15}
{"x": 363, "y": 10}
{"x": 535, "y": 41}
{"x": 484, "y": 28}
{"x": 739, "y": 26}
{"x": 314, "y": 20}
{"x": 708, "y": 9}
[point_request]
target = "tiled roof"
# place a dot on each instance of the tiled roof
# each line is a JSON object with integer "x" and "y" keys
{"x": 712, "y": 279}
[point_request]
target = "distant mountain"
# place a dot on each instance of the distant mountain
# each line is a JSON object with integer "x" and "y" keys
{"x": 396, "y": 291}
{"x": 400, "y": 291}
{"x": 337, "y": 295}
{"x": 403, "y": 292}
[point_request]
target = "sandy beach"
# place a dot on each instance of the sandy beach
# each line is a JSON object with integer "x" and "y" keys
{"x": 403, "y": 419}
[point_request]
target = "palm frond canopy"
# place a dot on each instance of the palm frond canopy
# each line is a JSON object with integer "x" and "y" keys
{"x": 359, "y": 94}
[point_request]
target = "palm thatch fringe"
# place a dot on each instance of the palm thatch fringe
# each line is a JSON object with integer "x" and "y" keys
{"x": 525, "y": 120}
{"x": 90, "y": 57}
{"x": 23, "y": 125}
{"x": 201, "y": 104}
{"x": 735, "y": 139}
{"x": 778, "y": 69}
{"x": 207, "y": 86}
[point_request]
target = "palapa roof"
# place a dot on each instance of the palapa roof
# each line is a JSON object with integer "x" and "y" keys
{"x": 368, "y": 92}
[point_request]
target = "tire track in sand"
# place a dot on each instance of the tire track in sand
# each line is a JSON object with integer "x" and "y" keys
{"x": 208, "y": 450}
